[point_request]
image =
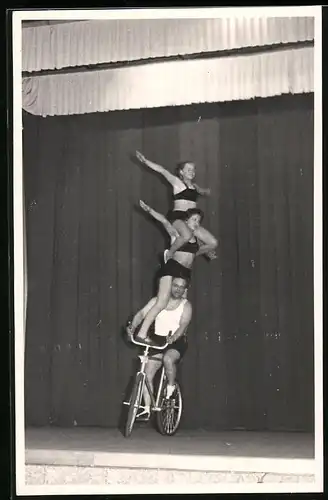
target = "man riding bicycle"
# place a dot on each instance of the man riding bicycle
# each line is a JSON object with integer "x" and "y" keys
{"x": 169, "y": 326}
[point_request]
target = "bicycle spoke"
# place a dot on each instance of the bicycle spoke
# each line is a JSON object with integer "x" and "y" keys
{"x": 170, "y": 414}
{"x": 168, "y": 419}
{"x": 170, "y": 422}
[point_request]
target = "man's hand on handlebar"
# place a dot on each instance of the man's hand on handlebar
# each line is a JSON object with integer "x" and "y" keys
{"x": 130, "y": 331}
{"x": 170, "y": 338}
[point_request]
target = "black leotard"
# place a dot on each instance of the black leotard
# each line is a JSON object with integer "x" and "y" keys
{"x": 189, "y": 247}
{"x": 187, "y": 194}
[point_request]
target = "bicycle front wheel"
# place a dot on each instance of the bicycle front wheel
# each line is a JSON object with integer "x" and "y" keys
{"x": 134, "y": 404}
{"x": 169, "y": 417}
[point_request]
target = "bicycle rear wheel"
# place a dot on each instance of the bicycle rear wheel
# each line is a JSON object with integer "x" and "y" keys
{"x": 169, "y": 417}
{"x": 134, "y": 404}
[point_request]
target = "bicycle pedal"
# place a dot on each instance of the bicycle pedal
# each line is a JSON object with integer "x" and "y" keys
{"x": 142, "y": 419}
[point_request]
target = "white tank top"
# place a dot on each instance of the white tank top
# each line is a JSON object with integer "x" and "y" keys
{"x": 167, "y": 321}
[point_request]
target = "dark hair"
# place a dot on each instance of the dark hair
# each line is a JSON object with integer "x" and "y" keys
{"x": 186, "y": 280}
{"x": 180, "y": 166}
{"x": 194, "y": 211}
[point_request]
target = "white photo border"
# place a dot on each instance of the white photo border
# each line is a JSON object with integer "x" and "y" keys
{"x": 18, "y": 230}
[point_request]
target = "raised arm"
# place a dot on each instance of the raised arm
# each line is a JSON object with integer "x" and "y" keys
{"x": 184, "y": 323}
{"x": 157, "y": 216}
{"x": 172, "y": 179}
{"x": 202, "y": 191}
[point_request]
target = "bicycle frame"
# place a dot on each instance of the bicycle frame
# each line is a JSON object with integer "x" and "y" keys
{"x": 144, "y": 360}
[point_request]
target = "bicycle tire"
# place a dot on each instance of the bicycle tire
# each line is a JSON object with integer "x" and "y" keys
{"x": 164, "y": 429}
{"x": 134, "y": 404}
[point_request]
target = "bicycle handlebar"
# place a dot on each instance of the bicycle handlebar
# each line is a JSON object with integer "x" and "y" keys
{"x": 160, "y": 348}
{"x": 147, "y": 345}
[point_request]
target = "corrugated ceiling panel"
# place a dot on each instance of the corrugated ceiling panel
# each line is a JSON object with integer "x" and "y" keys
{"x": 93, "y": 42}
{"x": 168, "y": 83}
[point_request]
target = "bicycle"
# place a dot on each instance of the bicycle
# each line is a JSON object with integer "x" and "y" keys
{"x": 163, "y": 407}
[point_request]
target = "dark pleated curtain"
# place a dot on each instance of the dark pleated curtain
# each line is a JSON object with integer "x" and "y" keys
{"x": 92, "y": 257}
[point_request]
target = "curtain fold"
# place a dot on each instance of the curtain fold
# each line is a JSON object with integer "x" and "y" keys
{"x": 92, "y": 257}
{"x": 172, "y": 83}
{"x": 102, "y": 41}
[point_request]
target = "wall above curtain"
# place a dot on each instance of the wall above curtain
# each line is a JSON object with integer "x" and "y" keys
{"x": 82, "y": 43}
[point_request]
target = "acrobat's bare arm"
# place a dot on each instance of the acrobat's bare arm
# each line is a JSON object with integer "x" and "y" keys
{"x": 202, "y": 191}
{"x": 172, "y": 179}
{"x": 173, "y": 233}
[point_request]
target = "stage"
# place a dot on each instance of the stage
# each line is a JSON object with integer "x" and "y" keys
{"x": 104, "y": 456}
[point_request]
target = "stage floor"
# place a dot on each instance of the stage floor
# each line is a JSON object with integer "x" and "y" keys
{"x": 242, "y": 451}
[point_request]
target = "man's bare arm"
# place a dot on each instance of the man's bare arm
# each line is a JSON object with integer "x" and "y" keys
{"x": 184, "y": 323}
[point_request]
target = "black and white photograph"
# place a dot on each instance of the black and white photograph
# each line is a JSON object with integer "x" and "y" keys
{"x": 167, "y": 218}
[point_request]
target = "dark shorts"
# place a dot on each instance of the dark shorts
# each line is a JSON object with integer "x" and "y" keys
{"x": 174, "y": 269}
{"x": 181, "y": 345}
{"x": 173, "y": 215}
